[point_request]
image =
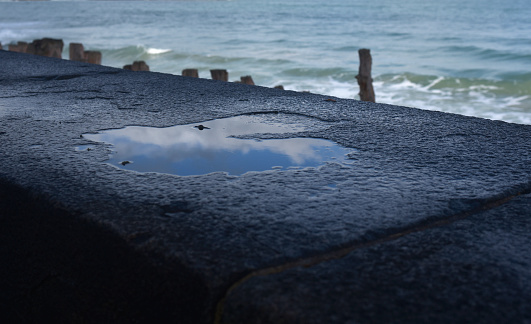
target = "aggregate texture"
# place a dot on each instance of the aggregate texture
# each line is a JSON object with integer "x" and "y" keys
{"x": 475, "y": 270}
{"x": 209, "y": 243}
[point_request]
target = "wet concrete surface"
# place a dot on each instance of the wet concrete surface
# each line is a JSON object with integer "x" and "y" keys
{"x": 253, "y": 245}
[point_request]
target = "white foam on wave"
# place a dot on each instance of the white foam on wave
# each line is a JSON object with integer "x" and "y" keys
{"x": 329, "y": 87}
{"x": 433, "y": 83}
{"x": 482, "y": 87}
{"x": 155, "y": 51}
{"x": 515, "y": 101}
{"x": 438, "y": 94}
{"x": 17, "y": 31}
{"x": 475, "y": 100}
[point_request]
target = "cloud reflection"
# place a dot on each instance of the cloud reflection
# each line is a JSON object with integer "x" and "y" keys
{"x": 187, "y": 150}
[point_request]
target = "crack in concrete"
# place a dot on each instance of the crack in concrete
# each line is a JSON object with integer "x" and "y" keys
{"x": 286, "y": 112}
{"x": 344, "y": 251}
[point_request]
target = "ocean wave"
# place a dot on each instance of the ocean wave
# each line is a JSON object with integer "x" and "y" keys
{"x": 12, "y": 32}
{"x": 487, "y": 53}
{"x": 155, "y": 51}
{"x": 312, "y": 72}
{"x": 133, "y": 53}
{"x": 506, "y": 100}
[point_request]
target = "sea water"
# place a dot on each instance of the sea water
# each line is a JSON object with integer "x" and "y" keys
{"x": 468, "y": 57}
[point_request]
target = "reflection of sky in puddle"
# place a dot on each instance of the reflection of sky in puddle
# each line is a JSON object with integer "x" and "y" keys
{"x": 186, "y": 150}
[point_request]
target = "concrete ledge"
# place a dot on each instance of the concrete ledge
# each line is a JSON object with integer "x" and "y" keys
{"x": 85, "y": 241}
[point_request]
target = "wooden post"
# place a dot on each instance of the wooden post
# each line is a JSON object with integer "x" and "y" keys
{"x": 48, "y": 47}
{"x": 20, "y": 47}
{"x": 30, "y": 49}
{"x": 77, "y": 52}
{"x": 93, "y": 57}
{"x": 221, "y": 75}
{"x": 364, "y": 76}
{"x": 192, "y": 73}
{"x": 140, "y": 66}
{"x": 0, "y": 46}
{"x": 137, "y": 66}
{"x": 247, "y": 80}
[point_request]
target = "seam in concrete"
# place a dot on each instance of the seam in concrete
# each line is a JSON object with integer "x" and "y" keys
{"x": 287, "y": 112}
{"x": 342, "y": 252}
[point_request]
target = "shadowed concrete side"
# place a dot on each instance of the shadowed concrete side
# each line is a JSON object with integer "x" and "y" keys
{"x": 58, "y": 267}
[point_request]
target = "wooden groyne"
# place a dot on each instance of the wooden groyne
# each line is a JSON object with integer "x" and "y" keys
{"x": 137, "y": 66}
{"x": 78, "y": 53}
{"x": 54, "y": 47}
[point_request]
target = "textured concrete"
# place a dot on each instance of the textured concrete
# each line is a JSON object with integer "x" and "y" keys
{"x": 475, "y": 270}
{"x": 214, "y": 242}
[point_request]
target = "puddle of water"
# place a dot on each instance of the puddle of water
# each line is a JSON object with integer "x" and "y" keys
{"x": 84, "y": 148}
{"x": 214, "y": 146}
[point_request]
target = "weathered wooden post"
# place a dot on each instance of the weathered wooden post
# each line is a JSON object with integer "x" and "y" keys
{"x": 140, "y": 66}
{"x": 93, "y": 57}
{"x": 364, "y": 76}
{"x": 30, "y": 49}
{"x": 48, "y": 47}
{"x": 221, "y": 75}
{"x": 192, "y": 73}
{"x": 247, "y": 80}
{"x": 77, "y": 52}
{"x": 137, "y": 66}
{"x": 19, "y": 47}
{"x": 0, "y": 46}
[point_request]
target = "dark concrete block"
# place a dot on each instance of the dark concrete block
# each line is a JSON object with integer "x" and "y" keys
{"x": 408, "y": 169}
{"x": 474, "y": 270}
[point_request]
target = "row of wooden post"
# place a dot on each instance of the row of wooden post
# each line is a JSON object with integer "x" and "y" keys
{"x": 45, "y": 47}
{"x": 78, "y": 53}
{"x": 54, "y": 48}
{"x": 364, "y": 76}
{"x": 220, "y": 75}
